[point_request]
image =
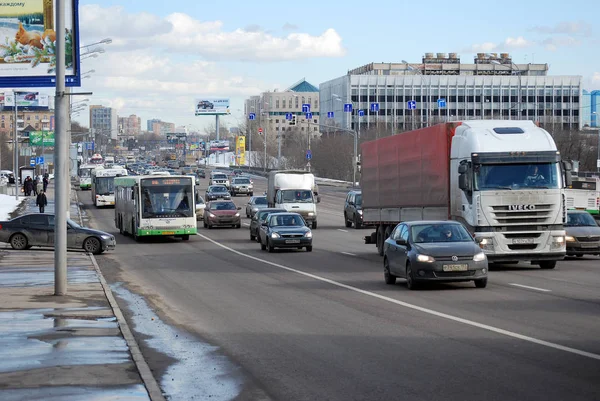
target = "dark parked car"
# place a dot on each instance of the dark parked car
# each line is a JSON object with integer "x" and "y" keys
{"x": 583, "y": 234}
{"x": 222, "y": 213}
{"x": 353, "y": 213}
{"x": 215, "y": 192}
{"x": 201, "y": 173}
{"x": 285, "y": 230}
{"x": 255, "y": 204}
{"x": 422, "y": 251}
{"x": 259, "y": 218}
{"x": 37, "y": 229}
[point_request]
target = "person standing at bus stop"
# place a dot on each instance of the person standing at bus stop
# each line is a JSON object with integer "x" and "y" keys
{"x": 45, "y": 181}
{"x": 41, "y": 201}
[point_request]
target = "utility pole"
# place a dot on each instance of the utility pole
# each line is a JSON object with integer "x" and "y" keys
{"x": 16, "y": 148}
{"x": 61, "y": 157}
{"x": 279, "y": 145}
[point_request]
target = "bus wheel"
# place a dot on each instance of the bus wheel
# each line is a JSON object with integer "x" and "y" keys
{"x": 185, "y": 237}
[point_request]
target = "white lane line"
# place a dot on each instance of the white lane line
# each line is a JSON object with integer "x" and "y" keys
{"x": 415, "y": 307}
{"x": 344, "y": 231}
{"x": 348, "y": 253}
{"x": 247, "y": 224}
{"x": 530, "y": 288}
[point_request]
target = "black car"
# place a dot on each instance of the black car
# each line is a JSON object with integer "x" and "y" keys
{"x": 205, "y": 104}
{"x": 200, "y": 173}
{"x": 260, "y": 217}
{"x": 37, "y": 229}
{"x": 422, "y": 251}
{"x": 353, "y": 213}
{"x": 284, "y": 230}
{"x": 215, "y": 192}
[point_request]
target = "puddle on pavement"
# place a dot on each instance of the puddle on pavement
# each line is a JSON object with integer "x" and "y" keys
{"x": 44, "y": 276}
{"x": 30, "y": 340}
{"x": 200, "y": 373}
{"x": 122, "y": 393}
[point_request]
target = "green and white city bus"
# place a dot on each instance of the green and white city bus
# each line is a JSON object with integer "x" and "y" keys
{"x": 155, "y": 206}
{"x": 584, "y": 194}
{"x": 103, "y": 185}
{"x": 85, "y": 175}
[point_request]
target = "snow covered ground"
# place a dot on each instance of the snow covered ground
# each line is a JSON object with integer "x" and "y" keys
{"x": 8, "y": 204}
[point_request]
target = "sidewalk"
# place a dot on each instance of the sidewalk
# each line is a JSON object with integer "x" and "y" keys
{"x": 75, "y": 347}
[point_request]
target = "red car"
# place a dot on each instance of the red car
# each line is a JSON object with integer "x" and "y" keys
{"x": 222, "y": 213}
{"x": 30, "y": 96}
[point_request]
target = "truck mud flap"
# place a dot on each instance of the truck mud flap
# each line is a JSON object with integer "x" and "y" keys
{"x": 371, "y": 239}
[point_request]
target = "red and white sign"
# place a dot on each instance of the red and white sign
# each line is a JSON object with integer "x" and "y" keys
{"x": 260, "y": 130}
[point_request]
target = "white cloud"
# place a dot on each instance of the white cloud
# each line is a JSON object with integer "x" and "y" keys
{"x": 509, "y": 44}
{"x": 566, "y": 27}
{"x": 596, "y": 78}
{"x": 180, "y": 33}
{"x": 553, "y": 43}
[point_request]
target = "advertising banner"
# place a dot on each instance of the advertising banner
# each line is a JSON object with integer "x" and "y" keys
{"x": 240, "y": 150}
{"x": 219, "y": 146}
{"x": 36, "y": 138}
{"x": 210, "y": 106}
{"x": 28, "y": 43}
{"x": 27, "y": 99}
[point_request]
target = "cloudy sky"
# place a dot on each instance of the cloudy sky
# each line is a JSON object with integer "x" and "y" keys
{"x": 166, "y": 53}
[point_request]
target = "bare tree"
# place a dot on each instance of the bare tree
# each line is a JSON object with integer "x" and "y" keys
{"x": 5, "y": 152}
{"x": 332, "y": 157}
{"x": 578, "y": 145}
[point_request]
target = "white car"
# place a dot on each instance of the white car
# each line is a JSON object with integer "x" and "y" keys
{"x": 200, "y": 206}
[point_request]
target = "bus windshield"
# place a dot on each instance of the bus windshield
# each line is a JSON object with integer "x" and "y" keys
{"x": 490, "y": 177}
{"x": 85, "y": 172}
{"x": 105, "y": 185}
{"x": 173, "y": 200}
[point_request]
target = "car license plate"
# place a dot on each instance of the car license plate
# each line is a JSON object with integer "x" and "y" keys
{"x": 522, "y": 241}
{"x": 455, "y": 268}
{"x": 592, "y": 245}
{"x": 168, "y": 233}
{"x": 292, "y": 241}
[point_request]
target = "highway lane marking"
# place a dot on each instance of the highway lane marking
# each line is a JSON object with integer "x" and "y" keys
{"x": 407, "y": 305}
{"x": 348, "y": 253}
{"x": 530, "y": 288}
{"x": 344, "y": 231}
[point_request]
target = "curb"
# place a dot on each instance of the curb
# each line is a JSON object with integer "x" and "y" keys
{"x": 150, "y": 382}
{"x": 154, "y": 391}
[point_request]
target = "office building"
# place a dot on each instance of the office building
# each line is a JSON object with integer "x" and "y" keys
{"x": 130, "y": 126}
{"x": 270, "y": 108}
{"x": 162, "y": 128}
{"x": 150, "y": 124}
{"x": 590, "y": 109}
{"x": 404, "y": 95}
{"x": 104, "y": 122}
{"x": 32, "y": 120}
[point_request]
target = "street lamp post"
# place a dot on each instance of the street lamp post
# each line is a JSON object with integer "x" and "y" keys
{"x": 598, "y": 156}
{"x": 356, "y": 135}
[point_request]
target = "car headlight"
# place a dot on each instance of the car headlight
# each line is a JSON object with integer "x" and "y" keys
{"x": 237, "y": 215}
{"x": 308, "y": 235}
{"x": 559, "y": 239}
{"x": 480, "y": 257}
{"x": 570, "y": 238}
{"x": 359, "y": 211}
{"x": 105, "y": 236}
{"x": 255, "y": 209}
{"x": 211, "y": 215}
{"x": 425, "y": 258}
{"x": 311, "y": 214}
{"x": 275, "y": 235}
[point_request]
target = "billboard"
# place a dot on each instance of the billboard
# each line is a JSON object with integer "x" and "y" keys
{"x": 27, "y": 99}
{"x": 28, "y": 41}
{"x": 210, "y": 106}
{"x": 36, "y": 137}
{"x": 218, "y": 146}
{"x": 240, "y": 150}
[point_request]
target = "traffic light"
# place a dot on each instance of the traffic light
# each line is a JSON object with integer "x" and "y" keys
{"x": 293, "y": 120}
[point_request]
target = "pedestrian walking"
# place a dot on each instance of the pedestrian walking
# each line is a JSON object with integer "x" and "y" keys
{"x": 45, "y": 182}
{"x": 28, "y": 186}
{"x": 41, "y": 201}
{"x": 39, "y": 186}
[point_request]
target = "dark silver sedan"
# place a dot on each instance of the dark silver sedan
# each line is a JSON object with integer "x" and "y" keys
{"x": 421, "y": 251}
{"x": 583, "y": 234}
{"x": 255, "y": 204}
{"x": 259, "y": 218}
{"x": 37, "y": 229}
{"x": 215, "y": 192}
{"x": 285, "y": 230}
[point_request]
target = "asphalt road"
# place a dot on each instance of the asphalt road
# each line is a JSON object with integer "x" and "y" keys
{"x": 325, "y": 326}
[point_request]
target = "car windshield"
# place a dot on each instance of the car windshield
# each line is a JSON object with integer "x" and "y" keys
{"x": 288, "y": 220}
{"x": 218, "y": 189}
{"x": 517, "y": 176}
{"x": 242, "y": 181}
{"x": 260, "y": 201}
{"x": 580, "y": 220}
{"x": 219, "y": 177}
{"x": 421, "y": 233}
{"x": 223, "y": 206}
{"x": 297, "y": 196}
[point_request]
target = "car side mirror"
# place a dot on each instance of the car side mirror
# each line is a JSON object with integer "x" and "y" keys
{"x": 239, "y": 208}
{"x": 462, "y": 168}
{"x": 401, "y": 241}
{"x": 264, "y": 225}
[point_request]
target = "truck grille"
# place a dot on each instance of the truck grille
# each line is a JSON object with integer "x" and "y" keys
{"x": 541, "y": 213}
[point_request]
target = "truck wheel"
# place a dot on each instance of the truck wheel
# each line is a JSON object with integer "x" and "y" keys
{"x": 185, "y": 237}
{"x": 547, "y": 264}
{"x": 314, "y": 225}
{"x": 346, "y": 221}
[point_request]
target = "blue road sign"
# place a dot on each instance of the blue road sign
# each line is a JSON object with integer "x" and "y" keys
{"x": 441, "y": 103}
{"x": 252, "y": 116}
{"x": 374, "y": 107}
{"x": 306, "y": 108}
{"x": 289, "y": 116}
{"x": 308, "y": 154}
{"x": 412, "y": 104}
{"x": 361, "y": 113}
{"x": 309, "y": 116}
{"x": 330, "y": 114}
{"x": 32, "y": 162}
{"x": 39, "y": 160}
{"x": 347, "y": 107}
{"x": 89, "y": 146}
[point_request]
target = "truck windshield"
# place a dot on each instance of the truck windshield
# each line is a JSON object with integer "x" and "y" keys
{"x": 517, "y": 176}
{"x": 297, "y": 196}
{"x": 167, "y": 201}
{"x": 105, "y": 185}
